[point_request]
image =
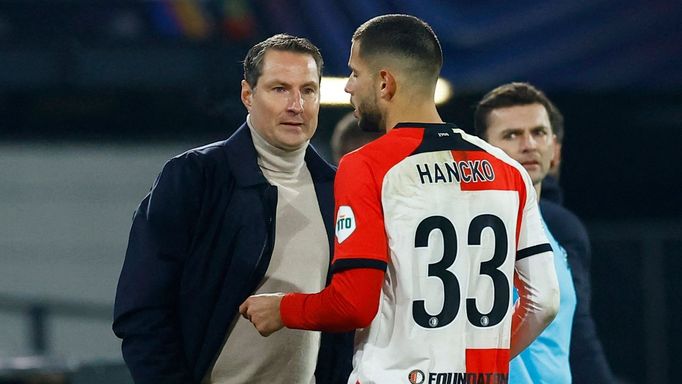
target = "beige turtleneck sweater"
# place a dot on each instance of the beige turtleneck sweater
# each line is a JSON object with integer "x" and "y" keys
{"x": 299, "y": 264}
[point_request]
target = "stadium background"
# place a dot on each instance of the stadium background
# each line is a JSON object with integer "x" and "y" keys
{"x": 96, "y": 95}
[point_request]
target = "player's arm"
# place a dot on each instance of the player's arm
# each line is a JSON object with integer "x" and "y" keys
{"x": 351, "y": 300}
{"x": 535, "y": 279}
{"x": 536, "y": 282}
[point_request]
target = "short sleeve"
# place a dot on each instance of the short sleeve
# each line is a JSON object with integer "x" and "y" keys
{"x": 532, "y": 238}
{"x": 360, "y": 235}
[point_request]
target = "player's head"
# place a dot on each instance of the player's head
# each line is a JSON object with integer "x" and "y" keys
{"x": 348, "y": 137}
{"x": 281, "y": 90}
{"x": 522, "y": 121}
{"x": 391, "y": 54}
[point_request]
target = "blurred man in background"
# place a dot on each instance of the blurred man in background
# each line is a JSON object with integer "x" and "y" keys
{"x": 425, "y": 311}
{"x": 523, "y": 122}
{"x": 247, "y": 215}
{"x": 348, "y": 137}
{"x": 588, "y": 361}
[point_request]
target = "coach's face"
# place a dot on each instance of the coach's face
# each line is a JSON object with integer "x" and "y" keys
{"x": 285, "y": 102}
{"x": 361, "y": 86}
{"x": 525, "y": 134}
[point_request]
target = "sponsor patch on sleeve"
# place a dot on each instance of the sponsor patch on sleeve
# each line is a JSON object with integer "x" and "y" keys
{"x": 345, "y": 223}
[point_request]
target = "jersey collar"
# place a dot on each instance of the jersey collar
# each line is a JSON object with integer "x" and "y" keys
{"x": 425, "y": 125}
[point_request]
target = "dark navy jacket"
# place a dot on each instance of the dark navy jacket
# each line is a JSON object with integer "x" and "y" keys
{"x": 587, "y": 358}
{"x": 200, "y": 243}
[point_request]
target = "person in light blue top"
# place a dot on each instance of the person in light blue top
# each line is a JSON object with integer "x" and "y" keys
{"x": 546, "y": 359}
{"x": 518, "y": 118}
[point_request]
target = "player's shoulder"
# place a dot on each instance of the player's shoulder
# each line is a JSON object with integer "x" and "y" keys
{"x": 497, "y": 153}
{"x": 489, "y": 148}
{"x": 388, "y": 142}
{"x": 383, "y": 151}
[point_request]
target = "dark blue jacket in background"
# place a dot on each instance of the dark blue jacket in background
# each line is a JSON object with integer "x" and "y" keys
{"x": 587, "y": 359}
{"x": 200, "y": 243}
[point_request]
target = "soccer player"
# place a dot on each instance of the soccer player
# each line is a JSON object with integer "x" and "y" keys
{"x": 431, "y": 224}
{"x": 518, "y": 118}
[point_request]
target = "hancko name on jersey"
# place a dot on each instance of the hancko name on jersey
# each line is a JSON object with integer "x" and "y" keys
{"x": 467, "y": 378}
{"x": 467, "y": 171}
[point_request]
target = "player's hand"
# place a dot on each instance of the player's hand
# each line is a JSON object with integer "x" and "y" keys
{"x": 263, "y": 312}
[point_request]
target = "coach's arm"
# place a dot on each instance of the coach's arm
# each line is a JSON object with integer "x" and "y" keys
{"x": 145, "y": 310}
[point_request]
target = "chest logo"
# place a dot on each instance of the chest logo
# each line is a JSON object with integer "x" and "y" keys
{"x": 345, "y": 223}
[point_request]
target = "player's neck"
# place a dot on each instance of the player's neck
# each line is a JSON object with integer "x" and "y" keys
{"x": 419, "y": 114}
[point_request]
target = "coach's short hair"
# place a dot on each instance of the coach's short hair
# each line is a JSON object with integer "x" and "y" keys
{"x": 511, "y": 95}
{"x": 405, "y": 37}
{"x": 253, "y": 63}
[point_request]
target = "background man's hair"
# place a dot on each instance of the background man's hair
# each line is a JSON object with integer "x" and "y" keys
{"x": 253, "y": 63}
{"x": 512, "y": 95}
{"x": 349, "y": 136}
{"x": 403, "y": 36}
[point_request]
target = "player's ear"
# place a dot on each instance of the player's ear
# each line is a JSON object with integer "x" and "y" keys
{"x": 387, "y": 84}
{"x": 246, "y": 95}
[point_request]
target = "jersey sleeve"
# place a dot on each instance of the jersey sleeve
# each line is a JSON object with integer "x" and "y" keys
{"x": 536, "y": 281}
{"x": 360, "y": 258}
{"x": 532, "y": 238}
{"x": 360, "y": 235}
{"x": 351, "y": 301}
{"x": 535, "y": 277}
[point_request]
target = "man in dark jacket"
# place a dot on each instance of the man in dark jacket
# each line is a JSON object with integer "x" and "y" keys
{"x": 588, "y": 363}
{"x": 587, "y": 357}
{"x": 247, "y": 215}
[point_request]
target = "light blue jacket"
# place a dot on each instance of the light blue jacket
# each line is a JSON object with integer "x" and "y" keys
{"x": 545, "y": 361}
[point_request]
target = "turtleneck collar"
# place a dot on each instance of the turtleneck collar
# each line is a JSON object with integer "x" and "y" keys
{"x": 274, "y": 159}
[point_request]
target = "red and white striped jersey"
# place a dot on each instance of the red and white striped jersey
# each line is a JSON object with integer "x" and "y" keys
{"x": 449, "y": 217}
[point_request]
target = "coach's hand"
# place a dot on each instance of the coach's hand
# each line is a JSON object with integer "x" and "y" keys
{"x": 263, "y": 312}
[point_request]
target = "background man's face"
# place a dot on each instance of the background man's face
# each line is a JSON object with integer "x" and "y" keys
{"x": 524, "y": 132}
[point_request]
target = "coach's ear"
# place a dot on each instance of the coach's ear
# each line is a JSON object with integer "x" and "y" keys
{"x": 246, "y": 95}
{"x": 387, "y": 85}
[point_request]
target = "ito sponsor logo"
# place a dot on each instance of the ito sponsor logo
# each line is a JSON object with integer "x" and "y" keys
{"x": 345, "y": 223}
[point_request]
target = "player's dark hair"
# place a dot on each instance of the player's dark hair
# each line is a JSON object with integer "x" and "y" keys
{"x": 253, "y": 63}
{"x": 512, "y": 95}
{"x": 403, "y": 36}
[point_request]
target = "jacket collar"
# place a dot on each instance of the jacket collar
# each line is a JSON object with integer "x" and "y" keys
{"x": 242, "y": 160}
